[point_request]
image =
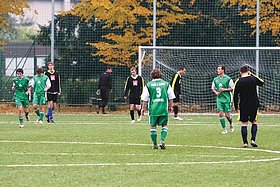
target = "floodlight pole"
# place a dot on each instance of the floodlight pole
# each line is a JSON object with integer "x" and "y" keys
{"x": 52, "y": 33}
{"x": 258, "y": 38}
{"x": 154, "y": 31}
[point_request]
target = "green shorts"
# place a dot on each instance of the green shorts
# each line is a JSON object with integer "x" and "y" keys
{"x": 158, "y": 120}
{"x": 225, "y": 107}
{"x": 24, "y": 103}
{"x": 39, "y": 99}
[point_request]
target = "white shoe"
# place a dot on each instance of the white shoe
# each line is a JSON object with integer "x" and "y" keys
{"x": 178, "y": 118}
{"x": 224, "y": 132}
{"x": 21, "y": 126}
{"x": 231, "y": 128}
{"x": 132, "y": 121}
{"x": 39, "y": 121}
{"x": 139, "y": 118}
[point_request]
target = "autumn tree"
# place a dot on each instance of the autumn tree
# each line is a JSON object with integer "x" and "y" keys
{"x": 269, "y": 14}
{"x": 130, "y": 22}
{"x": 14, "y": 7}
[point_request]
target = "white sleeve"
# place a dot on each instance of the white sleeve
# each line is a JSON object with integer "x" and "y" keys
{"x": 31, "y": 83}
{"x": 213, "y": 87}
{"x": 231, "y": 84}
{"x": 170, "y": 93}
{"x": 145, "y": 95}
{"x": 48, "y": 83}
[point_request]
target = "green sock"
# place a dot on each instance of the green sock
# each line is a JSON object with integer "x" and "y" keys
{"x": 37, "y": 112}
{"x": 41, "y": 116}
{"x": 164, "y": 131}
{"x": 229, "y": 120}
{"x": 153, "y": 133}
{"x": 223, "y": 122}
{"x": 20, "y": 120}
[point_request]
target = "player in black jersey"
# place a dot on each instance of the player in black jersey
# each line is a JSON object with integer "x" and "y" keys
{"x": 176, "y": 87}
{"x": 134, "y": 86}
{"x": 104, "y": 89}
{"x": 246, "y": 102}
{"x": 53, "y": 92}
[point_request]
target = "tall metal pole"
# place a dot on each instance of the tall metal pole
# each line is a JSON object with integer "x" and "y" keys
{"x": 154, "y": 31}
{"x": 52, "y": 33}
{"x": 257, "y": 37}
{"x": 258, "y": 40}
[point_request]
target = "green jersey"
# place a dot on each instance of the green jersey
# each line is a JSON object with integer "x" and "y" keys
{"x": 223, "y": 82}
{"x": 21, "y": 86}
{"x": 39, "y": 83}
{"x": 158, "y": 92}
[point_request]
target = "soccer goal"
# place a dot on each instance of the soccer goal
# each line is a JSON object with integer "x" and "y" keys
{"x": 201, "y": 64}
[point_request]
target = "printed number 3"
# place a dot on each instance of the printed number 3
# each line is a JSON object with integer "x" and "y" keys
{"x": 158, "y": 92}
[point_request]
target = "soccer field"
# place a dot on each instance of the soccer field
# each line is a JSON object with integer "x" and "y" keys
{"x": 106, "y": 150}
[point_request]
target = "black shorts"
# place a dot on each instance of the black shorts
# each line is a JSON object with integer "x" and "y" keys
{"x": 135, "y": 101}
{"x": 177, "y": 99}
{"x": 52, "y": 97}
{"x": 247, "y": 114}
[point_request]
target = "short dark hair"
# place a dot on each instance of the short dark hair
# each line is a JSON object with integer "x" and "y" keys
{"x": 50, "y": 62}
{"x": 39, "y": 70}
{"x": 244, "y": 69}
{"x": 109, "y": 67}
{"x": 19, "y": 70}
{"x": 222, "y": 66}
{"x": 156, "y": 74}
{"x": 182, "y": 68}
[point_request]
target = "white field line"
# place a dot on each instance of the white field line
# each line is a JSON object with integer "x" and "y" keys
{"x": 138, "y": 164}
{"x": 124, "y": 154}
{"x": 135, "y": 144}
{"x": 128, "y": 122}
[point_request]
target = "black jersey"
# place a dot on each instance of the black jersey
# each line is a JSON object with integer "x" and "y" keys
{"x": 245, "y": 92}
{"x": 134, "y": 85}
{"x": 105, "y": 81}
{"x": 55, "y": 82}
{"x": 176, "y": 84}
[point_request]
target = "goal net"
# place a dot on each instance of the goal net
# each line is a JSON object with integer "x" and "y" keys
{"x": 201, "y": 65}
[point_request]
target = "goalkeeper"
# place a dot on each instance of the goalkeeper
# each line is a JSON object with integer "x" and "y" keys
{"x": 176, "y": 87}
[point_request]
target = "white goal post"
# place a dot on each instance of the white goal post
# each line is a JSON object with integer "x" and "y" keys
{"x": 201, "y": 64}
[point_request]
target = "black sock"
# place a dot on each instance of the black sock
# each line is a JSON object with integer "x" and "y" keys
{"x": 254, "y": 130}
{"x": 176, "y": 110}
{"x": 132, "y": 114}
{"x": 244, "y": 134}
{"x": 139, "y": 112}
{"x": 103, "y": 110}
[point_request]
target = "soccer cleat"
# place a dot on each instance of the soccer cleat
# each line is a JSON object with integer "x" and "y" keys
{"x": 231, "y": 127}
{"x": 154, "y": 147}
{"x": 224, "y": 131}
{"x": 253, "y": 143}
{"x": 21, "y": 126}
{"x": 132, "y": 121}
{"x": 39, "y": 121}
{"x": 178, "y": 118}
{"x": 245, "y": 145}
{"x": 139, "y": 118}
{"x": 162, "y": 145}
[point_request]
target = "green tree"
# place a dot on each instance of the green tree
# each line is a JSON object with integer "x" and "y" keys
{"x": 269, "y": 14}
{"x": 130, "y": 22}
{"x": 14, "y": 7}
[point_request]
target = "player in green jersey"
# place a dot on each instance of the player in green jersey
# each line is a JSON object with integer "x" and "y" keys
{"x": 159, "y": 94}
{"x": 40, "y": 83}
{"x": 20, "y": 86}
{"x": 222, "y": 86}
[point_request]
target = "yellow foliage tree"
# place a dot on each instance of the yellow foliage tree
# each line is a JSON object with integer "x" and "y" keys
{"x": 132, "y": 21}
{"x": 269, "y": 14}
{"x": 15, "y": 7}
